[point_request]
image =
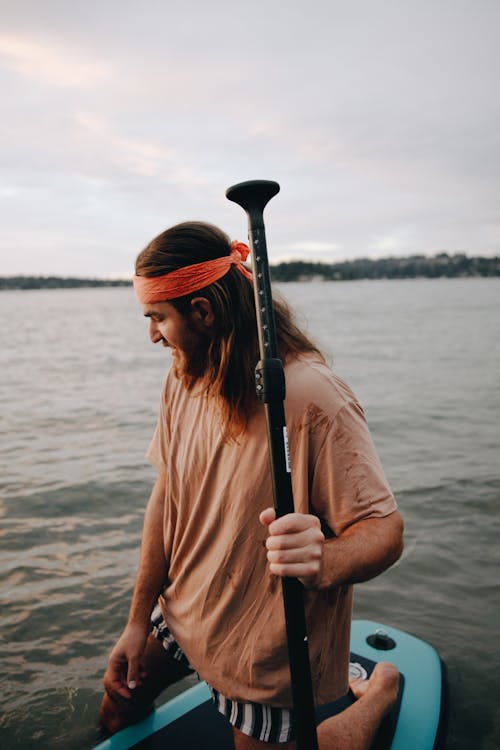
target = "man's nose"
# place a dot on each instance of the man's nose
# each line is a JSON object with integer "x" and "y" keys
{"x": 154, "y": 333}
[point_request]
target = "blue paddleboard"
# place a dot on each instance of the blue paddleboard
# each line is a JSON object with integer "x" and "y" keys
{"x": 417, "y": 722}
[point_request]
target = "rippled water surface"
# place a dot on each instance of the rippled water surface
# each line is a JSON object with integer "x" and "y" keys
{"x": 79, "y": 390}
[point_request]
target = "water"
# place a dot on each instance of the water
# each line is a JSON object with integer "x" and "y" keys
{"x": 79, "y": 391}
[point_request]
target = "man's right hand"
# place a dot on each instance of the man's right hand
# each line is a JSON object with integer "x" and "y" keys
{"x": 125, "y": 670}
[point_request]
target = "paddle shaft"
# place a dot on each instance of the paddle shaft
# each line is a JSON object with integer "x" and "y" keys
{"x": 270, "y": 384}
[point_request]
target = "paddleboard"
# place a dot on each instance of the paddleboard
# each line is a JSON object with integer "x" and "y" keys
{"x": 417, "y": 722}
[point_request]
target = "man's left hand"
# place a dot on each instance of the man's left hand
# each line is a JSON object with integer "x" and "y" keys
{"x": 294, "y": 546}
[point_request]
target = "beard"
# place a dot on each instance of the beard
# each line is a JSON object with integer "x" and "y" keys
{"x": 191, "y": 366}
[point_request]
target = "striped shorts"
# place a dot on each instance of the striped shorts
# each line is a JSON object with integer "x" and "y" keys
{"x": 256, "y": 720}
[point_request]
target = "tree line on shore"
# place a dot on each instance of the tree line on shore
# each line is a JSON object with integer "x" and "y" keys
{"x": 57, "y": 282}
{"x": 415, "y": 266}
{"x": 412, "y": 267}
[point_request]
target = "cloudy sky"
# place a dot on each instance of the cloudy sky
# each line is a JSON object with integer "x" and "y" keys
{"x": 380, "y": 120}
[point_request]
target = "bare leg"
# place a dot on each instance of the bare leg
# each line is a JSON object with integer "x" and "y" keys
{"x": 354, "y": 728}
{"x": 161, "y": 670}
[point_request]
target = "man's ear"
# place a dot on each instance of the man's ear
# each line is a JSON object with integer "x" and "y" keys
{"x": 202, "y": 314}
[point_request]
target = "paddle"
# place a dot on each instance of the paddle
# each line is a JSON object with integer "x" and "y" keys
{"x": 253, "y": 196}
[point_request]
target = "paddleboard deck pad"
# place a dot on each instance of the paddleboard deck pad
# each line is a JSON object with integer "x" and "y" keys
{"x": 417, "y": 722}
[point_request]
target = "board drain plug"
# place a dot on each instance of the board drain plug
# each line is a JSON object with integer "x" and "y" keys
{"x": 381, "y": 641}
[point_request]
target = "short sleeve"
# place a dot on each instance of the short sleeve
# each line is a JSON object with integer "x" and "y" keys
{"x": 158, "y": 448}
{"x": 348, "y": 483}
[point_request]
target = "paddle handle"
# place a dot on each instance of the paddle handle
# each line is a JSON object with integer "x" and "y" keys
{"x": 253, "y": 197}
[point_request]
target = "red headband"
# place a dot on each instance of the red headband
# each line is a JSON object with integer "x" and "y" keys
{"x": 189, "y": 279}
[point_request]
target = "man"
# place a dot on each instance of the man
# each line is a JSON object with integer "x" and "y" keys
{"x": 212, "y": 550}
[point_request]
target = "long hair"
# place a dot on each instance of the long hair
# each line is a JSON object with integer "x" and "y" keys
{"x": 233, "y": 351}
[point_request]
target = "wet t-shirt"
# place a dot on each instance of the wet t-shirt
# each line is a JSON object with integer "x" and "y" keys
{"x": 221, "y": 602}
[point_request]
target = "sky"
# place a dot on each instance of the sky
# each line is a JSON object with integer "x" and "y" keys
{"x": 380, "y": 119}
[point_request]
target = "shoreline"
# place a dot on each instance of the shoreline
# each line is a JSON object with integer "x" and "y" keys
{"x": 414, "y": 267}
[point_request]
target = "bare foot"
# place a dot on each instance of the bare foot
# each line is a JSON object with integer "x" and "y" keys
{"x": 117, "y": 714}
{"x": 383, "y": 682}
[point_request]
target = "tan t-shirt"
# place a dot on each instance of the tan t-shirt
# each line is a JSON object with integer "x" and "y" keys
{"x": 221, "y": 603}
